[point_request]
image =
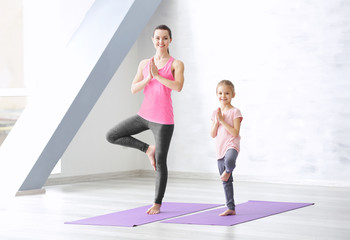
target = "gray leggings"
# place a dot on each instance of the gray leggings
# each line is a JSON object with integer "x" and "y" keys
{"x": 228, "y": 163}
{"x": 121, "y": 135}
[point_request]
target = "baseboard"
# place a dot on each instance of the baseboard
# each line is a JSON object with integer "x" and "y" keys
{"x": 291, "y": 181}
{"x": 56, "y": 180}
{"x": 31, "y": 192}
{"x": 184, "y": 175}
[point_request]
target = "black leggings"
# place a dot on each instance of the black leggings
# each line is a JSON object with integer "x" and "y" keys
{"x": 121, "y": 135}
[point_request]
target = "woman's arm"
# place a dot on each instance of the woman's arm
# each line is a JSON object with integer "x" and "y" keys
{"x": 178, "y": 82}
{"x": 139, "y": 82}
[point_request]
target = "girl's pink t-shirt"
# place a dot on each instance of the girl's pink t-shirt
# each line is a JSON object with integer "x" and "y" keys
{"x": 224, "y": 140}
{"x": 157, "y": 105}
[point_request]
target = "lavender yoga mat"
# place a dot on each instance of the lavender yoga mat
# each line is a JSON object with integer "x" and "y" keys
{"x": 248, "y": 211}
{"x": 138, "y": 216}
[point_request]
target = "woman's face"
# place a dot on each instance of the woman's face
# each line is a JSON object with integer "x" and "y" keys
{"x": 161, "y": 39}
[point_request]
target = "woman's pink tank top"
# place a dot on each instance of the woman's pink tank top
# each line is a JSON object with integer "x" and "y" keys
{"x": 157, "y": 105}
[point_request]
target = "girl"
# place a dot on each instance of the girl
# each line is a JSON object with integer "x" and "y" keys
{"x": 226, "y": 123}
{"x": 157, "y": 77}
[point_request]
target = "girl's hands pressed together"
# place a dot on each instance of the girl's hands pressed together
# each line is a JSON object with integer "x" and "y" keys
{"x": 215, "y": 125}
{"x": 233, "y": 130}
{"x": 219, "y": 115}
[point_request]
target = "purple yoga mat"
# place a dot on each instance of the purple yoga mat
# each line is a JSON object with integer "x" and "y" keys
{"x": 138, "y": 216}
{"x": 248, "y": 211}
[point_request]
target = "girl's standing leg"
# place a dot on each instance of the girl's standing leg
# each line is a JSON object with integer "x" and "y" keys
{"x": 226, "y": 166}
{"x": 162, "y": 134}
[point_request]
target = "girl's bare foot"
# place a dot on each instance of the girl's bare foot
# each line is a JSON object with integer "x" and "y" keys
{"x": 155, "y": 209}
{"x": 228, "y": 212}
{"x": 225, "y": 176}
{"x": 151, "y": 152}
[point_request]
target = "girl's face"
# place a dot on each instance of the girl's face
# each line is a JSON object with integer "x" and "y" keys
{"x": 161, "y": 39}
{"x": 225, "y": 94}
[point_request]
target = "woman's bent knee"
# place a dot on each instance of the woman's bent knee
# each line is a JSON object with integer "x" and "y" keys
{"x": 111, "y": 136}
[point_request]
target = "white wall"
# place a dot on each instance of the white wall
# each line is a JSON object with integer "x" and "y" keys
{"x": 289, "y": 61}
{"x": 44, "y": 39}
{"x": 89, "y": 152}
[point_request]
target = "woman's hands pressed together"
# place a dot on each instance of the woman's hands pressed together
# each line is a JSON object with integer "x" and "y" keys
{"x": 153, "y": 70}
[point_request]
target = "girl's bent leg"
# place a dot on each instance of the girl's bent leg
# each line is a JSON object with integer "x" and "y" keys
{"x": 121, "y": 133}
{"x": 230, "y": 164}
{"x": 230, "y": 160}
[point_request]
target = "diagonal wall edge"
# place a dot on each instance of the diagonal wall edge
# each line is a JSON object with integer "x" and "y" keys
{"x": 134, "y": 21}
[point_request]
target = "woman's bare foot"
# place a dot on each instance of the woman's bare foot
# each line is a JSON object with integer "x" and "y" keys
{"x": 155, "y": 209}
{"x": 228, "y": 212}
{"x": 151, "y": 152}
{"x": 225, "y": 176}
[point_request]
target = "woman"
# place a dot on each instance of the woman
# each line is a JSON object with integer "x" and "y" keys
{"x": 157, "y": 77}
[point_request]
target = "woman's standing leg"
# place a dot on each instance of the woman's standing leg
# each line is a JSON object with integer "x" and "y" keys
{"x": 162, "y": 134}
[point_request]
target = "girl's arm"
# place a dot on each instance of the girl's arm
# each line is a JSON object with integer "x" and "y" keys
{"x": 234, "y": 131}
{"x": 178, "y": 82}
{"x": 214, "y": 129}
{"x": 139, "y": 82}
{"x": 215, "y": 125}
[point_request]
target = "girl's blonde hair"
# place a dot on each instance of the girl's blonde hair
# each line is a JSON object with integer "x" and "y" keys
{"x": 227, "y": 83}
